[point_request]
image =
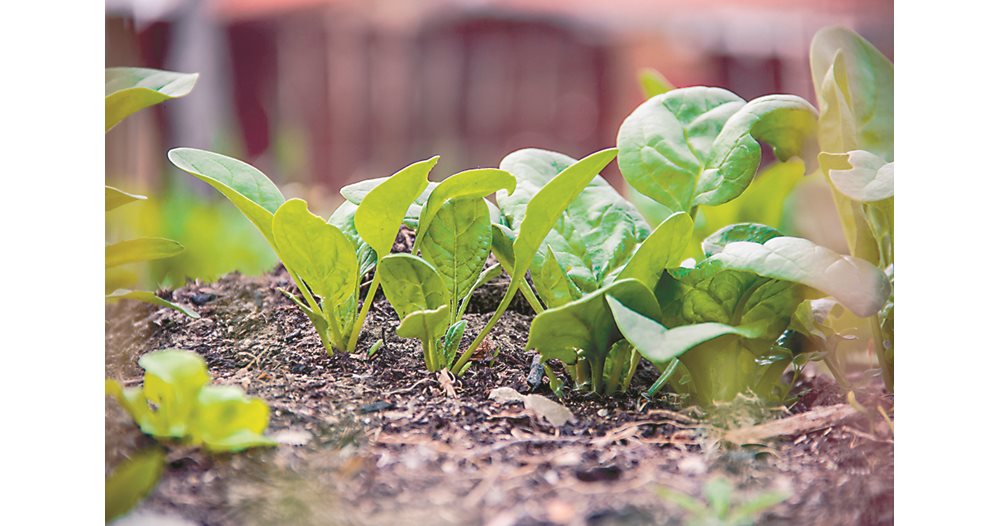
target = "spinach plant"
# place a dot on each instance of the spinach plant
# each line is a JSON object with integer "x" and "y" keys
{"x": 598, "y": 240}
{"x": 325, "y": 259}
{"x": 540, "y": 214}
{"x": 723, "y": 318}
{"x": 853, "y": 83}
{"x": 131, "y": 481}
{"x": 176, "y": 402}
{"x": 719, "y": 508}
{"x": 126, "y": 91}
{"x": 431, "y": 292}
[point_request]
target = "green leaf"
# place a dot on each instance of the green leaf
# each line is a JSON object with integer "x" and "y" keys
{"x": 587, "y": 323}
{"x": 699, "y": 146}
{"x": 553, "y": 284}
{"x": 463, "y": 185}
{"x": 718, "y": 492}
{"x": 752, "y": 232}
{"x": 151, "y": 298}
{"x": 502, "y": 245}
{"x": 863, "y": 118}
{"x": 764, "y": 201}
{"x": 176, "y": 402}
{"x": 343, "y": 218}
{"x": 653, "y": 82}
{"x": 354, "y": 193}
{"x": 113, "y": 198}
{"x": 426, "y": 325}
{"x": 658, "y": 344}
{"x": 592, "y": 238}
{"x": 229, "y": 420}
{"x": 382, "y": 210}
{"x": 411, "y": 284}
{"x": 457, "y": 243}
{"x": 245, "y": 186}
{"x": 128, "y": 90}
{"x": 860, "y": 175}
{"x": 452, "y": 339}
{"x": 857, "y": 284}
{"x": 131, "y": 481}
{"x": 663, "y": 248}
{"x": 140, "y": 249}
{"x": 316, "y": 251}
{"x": 172, "y": 382}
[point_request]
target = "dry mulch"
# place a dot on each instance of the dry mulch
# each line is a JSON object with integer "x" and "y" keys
{"x": 382, "y": 441}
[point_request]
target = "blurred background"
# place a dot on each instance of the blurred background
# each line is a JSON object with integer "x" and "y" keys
{"x": 322, "y": 93}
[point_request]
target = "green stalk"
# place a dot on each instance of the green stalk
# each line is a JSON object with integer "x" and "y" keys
{"x": 633, "y": 365}
{"x": 597, "y": 375}
{"x": 315, "y": 308}
{"x": 880, "y": 351}
{"x": 530, "y": 296}
{"x": 467, "y": 354}
{"x": 668, "y": 372}
{"x": 360, "y": 320}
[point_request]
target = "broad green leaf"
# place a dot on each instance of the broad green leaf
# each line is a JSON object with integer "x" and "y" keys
{"x": 355, "y": 193}
{"x": 113, "y": 198}
{"x": 128, "y": 90}
{"x": 860, "y": 175}
{"x": 713, "y": 293}
{"x": 548, "y": 204}
{"x": 316, "y": 251}
{"x": 381, "y": 212}
{"x": 411, "y": 284}
{"x": 653, "y": 82}
{"x": 752, "y": 232}
{"x": 151, "y": 298}
{"x": 866, "y": 87}
{"x": 665, "y": 143}
{"x": 468, "y": 184}
{"x": 553, "y": 284}
{"x": 587, "y": 323}
{"x": 457, "y": 243}
{"x": 131, "y": 481}
{"x": 699, "y": 146}
{"x": 245, "y": 186}
{"x": 343, "y": 218}
{"x": 592, "y": 238}
{"x": 659, "y": 344}
{"x": 857, "y": 284}
{"x": 502, "y": 245}
{"x": 662, "y": 249}
{"x": 229, "y": 420}
{"x": 140, "y": 249}
{"x": 427, "y": 325}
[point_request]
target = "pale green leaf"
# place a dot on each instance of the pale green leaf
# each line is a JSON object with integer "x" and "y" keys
{"x": 477, "y": 183}
{"x": 659, "y": 344}
{"x": 245, "y": 186}
{"x": 113, "y": 198}
{"x": 411, "y": 284}
{"x": 427, "y": 325}
{"x": 316, "y": 251}
{"x": 140, "y": 249}
{"x": 382, "y": 210}
{"x": 151, "y": 298}
{"x": 857, "y": 284}
{"x": 131, "y": 481}
{"x": 343, "y": 218}
{"x": 229, "y": 420}
{"x": 860, "y": 175}
{"x": 171, "y": 384}
{"x": 753, "y": 232}
{"x": 128, "y": 90}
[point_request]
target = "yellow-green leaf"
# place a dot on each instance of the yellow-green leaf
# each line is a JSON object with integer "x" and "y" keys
{"x": 113, "y": 198}
{"x": 151, "y": 298}
{"x": 382, "y": 210}
{"x": 128, "y": 90}
{"x": 131, "y": 481}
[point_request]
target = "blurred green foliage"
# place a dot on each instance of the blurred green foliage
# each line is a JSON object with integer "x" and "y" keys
{"x": 217, "y": 239}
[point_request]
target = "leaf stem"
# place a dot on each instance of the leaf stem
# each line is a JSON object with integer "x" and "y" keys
{"x": 360, "y": 320}
{"x": 668, "y": 372}
{"x": 467, "y": 354}
{"x": 530, "y": 296}
{"x": 879, "y": 342}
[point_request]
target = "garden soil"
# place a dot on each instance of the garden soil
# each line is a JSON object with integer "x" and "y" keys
{"x": 380, "y": 441}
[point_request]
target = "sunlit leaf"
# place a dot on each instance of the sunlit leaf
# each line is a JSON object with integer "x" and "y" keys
{"x": 140, "y": 249}
{"x": 128, "y": 90}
